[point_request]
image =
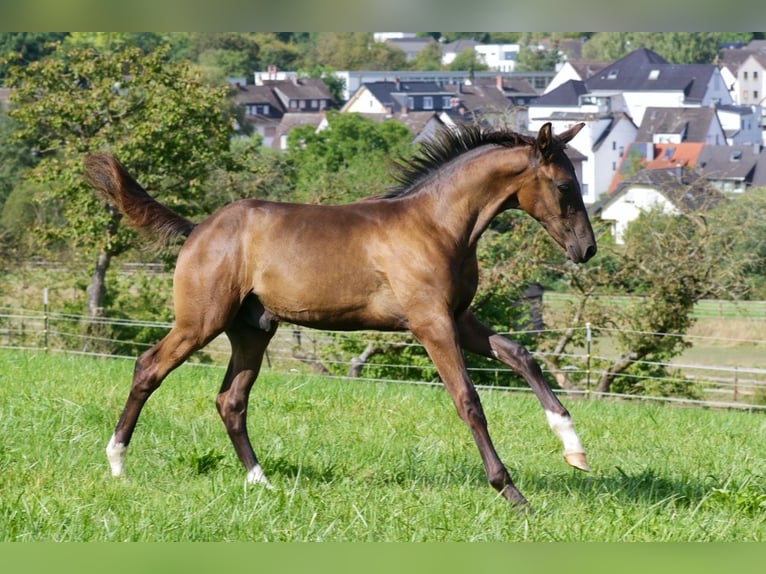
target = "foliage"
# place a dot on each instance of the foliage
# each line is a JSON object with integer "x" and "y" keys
{"x": 675, "y": 47}
{"x": 353, "y": 51}
{"x": 347, "y": 160}
{"x": 535, "y": 58}
{"x": 166, "y": 127}
{"x": 469, "y": 60}
{"x": 26, "y": 47}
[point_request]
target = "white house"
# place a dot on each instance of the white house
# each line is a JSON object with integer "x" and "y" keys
{"x": 498, "y": 57}
{"x": 607, "y": 133}
{"x": 741, "y": 124}
{"x": 670, "y": 190}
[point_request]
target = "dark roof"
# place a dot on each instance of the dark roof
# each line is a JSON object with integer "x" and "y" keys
{"x": 692, "y": 124}
{"x": 645, "y": 70}
{"x": 729, "y": 162}
{"x": 303, "y": 89}
{"x": 393, "y": 94}
{"x": 567, "y": 94}
{"x": 249, "y": 94}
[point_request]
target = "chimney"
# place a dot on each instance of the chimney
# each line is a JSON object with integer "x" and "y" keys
{"x": 499, "y": 82}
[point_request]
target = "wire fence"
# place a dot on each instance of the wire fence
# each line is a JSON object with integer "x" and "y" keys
{"x": 344, "y": 354}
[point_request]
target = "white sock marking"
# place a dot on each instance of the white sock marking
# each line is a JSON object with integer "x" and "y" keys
{"x": 564, "y": 429}
{"x": 256, "y": 476}
{"x": 115, "y": 454}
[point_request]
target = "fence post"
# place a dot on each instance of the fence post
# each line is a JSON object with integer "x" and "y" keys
{"x": 45, "y": 319}
{"x": 736, "y": 378}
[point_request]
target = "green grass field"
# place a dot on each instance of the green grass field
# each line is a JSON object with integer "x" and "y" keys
{"x": 354, "y": 461}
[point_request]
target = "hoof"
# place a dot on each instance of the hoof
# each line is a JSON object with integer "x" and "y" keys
{"x": 256, "y": 476}
{"x": 577, "y": 460}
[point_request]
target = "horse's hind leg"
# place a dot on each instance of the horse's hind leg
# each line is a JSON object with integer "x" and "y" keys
{"x": 151, "y": 369}
{"x": 478, "y": 338}
{"x": 248, "y": 345}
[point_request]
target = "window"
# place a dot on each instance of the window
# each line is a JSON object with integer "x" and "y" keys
{"x": 410, "y": 102}
{"x": 744, "y": 75}
{"x": 614, "y": 146}
{"x": 654, "y": 74}
{"x": 612, "y": 74}
{"x": 446, "y": 101}
{"x": 755, "y": 74}
{"x": 428, "y": 103}
{"x": 755, "y": 95}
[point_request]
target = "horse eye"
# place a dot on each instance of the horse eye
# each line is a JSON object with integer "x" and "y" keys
{"x": 563, "y": 187}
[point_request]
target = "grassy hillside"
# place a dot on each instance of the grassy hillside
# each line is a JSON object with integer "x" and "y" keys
{"x": 355, "y": 461}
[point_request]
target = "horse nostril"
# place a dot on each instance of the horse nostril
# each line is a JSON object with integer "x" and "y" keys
{"x": 590, "y": 251}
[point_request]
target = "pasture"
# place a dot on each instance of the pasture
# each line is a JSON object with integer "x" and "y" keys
{"x": 359, "y": 461}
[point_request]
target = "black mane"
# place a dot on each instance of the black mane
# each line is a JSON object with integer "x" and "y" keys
{"x": 447, "y": 145}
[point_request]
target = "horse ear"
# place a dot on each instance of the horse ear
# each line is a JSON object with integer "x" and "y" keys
{"x": 545, "y": 141}
{"x": 571, "y": 132}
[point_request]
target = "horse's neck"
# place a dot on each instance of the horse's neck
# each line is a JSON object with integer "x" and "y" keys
{"x": 465, "y": 199}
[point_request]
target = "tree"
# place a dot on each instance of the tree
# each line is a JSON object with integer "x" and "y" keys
{"x": 469, "y": 60}
{"x": 675, "y": 47}
{"x": 429, "y": 58}
{"x": 353, "y": 51}
{"x": 348, "y": 160}
{"x": 26, "y": 47}
{"x": 161, "y": 121}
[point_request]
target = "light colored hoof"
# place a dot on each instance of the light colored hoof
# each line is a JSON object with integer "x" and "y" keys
{"x": 577, "y": 460}
{"x": 256, "y": 476}
{"x": 115, "y": 454}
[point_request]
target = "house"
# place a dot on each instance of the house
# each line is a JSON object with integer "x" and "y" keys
{"x": 266, "y": 104}
{"x": 607, "y": 132}
{"x": 733, "y": 169}
{"x": 579, "y": 70}
{"x": 394, "y": 97}
{"x": 292, "y": 120}
{"x": 652, "y": 155}
{"x": 747, "y": 67}
{"x": 676, "y": 125}
{"x": 741, "y": 124}
{"x": 672, "y": 190}
{"x": 647, "y": 80}
{"x": 498, "y": 57}
{"x": 492, "y": 102}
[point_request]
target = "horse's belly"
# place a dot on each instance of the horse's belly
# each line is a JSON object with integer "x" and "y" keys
{"x": 331, "y": 300}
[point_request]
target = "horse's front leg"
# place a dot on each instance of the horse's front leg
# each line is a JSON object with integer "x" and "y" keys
{"x": 478, "y": 338}
{"x": 439, "y": 337}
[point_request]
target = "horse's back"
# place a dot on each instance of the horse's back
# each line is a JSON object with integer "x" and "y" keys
{"x": 309, "y": 264}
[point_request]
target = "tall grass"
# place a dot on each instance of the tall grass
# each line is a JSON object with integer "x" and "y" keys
{"x": 355, "y": 461}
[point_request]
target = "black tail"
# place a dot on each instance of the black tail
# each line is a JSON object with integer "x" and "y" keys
{"x": 116, "y": 186}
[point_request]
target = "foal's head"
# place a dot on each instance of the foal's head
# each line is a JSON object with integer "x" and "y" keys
{"x": 553, "y": 196}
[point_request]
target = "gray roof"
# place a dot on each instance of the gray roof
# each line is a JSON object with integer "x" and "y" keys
{"x": 692, "y": 124}
{"x": 645, "y": 70}
{"x": 567, "y": 94}
{"x": 729, "y": 162}
{"x": 393, "y": 94}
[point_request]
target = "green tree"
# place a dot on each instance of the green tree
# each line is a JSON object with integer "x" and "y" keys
{"x": 159, "y": 119}
{"x": 429, "y": 58}
{"x": 26, "y": 47}
{"x": 347, "y": 160}
{"x": 469, "y": 60}
{"x": 675, "y": 47}
{"x": 353, "y": 51}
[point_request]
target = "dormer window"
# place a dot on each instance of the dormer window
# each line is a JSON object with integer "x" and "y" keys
{"x": 612, "y": 74}
{"x": 654, "y": 74}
